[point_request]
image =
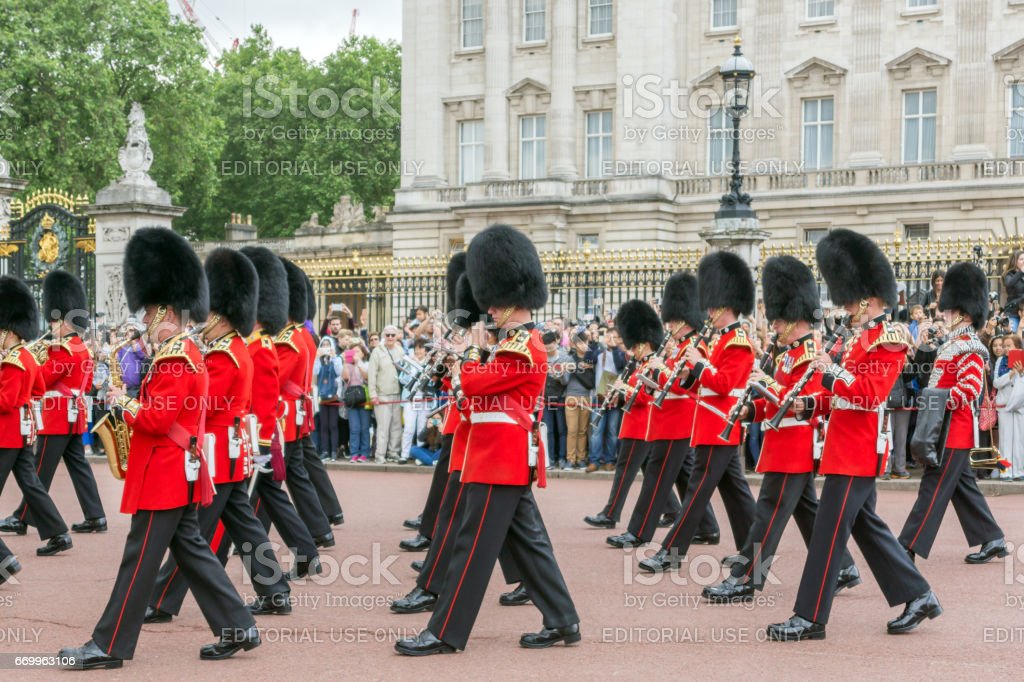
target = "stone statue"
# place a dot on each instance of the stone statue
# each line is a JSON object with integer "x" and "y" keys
{"x": 347, "y": 215}
{"x": 380, "y": 214}
{"x": 5, "y": 168}
{"x": 116, "y": 306}
{"x": 136, "y": 156}
{"x": 314, "y": 221}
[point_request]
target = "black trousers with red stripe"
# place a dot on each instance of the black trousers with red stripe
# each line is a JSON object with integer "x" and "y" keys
{"x": 272, "y": 505}
{"x": 302, "y": 491}
{"x": 231, "y": 507}
{"x": 495, "y": 516}
{"x": 847, "y": 507}
{"x": 438, "y": 483}
{"x": 714, "y": 467}
{"x": 321, "y": 481}
{"x": 669, "y": 462}
{"x": 22, "y": 463}
{"x": 633, "y": 454}
{"x": 50, "y": 450}
{"x": 781, "y": 496}
{"x": 952, "y": 481}
{"x": 152, "y": 533}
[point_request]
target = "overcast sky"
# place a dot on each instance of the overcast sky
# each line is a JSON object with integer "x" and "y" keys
{"x": 316, "y": 27}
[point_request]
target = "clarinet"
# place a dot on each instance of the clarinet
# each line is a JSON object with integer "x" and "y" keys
{"x": 636, "y": 393}
{"x": 830, "y": 344}
{"x": 705, "y": 334}
{"x": 614, "y": 393}
{"x": 748, "y": 397}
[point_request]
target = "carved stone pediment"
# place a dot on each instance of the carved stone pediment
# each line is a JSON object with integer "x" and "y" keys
{"x": 711, "y": 78}
{"x": 528, "y": 96}
{"x": 815, "y": 70}
{"x": 1010, "y": 57}
{"x": 917, "y": 60}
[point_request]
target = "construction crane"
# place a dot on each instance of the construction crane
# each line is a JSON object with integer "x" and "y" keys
{"x": 212, "y": 46}
{"x": 352, "y": 26}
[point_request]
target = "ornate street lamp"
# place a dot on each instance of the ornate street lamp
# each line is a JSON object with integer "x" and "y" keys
{"x": 737, "y": 73}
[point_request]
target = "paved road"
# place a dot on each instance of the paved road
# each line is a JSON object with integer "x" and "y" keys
{"x": 630, "y": 629}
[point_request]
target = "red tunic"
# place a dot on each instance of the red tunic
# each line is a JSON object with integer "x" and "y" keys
{"x": 451, "y": 415}
{"x": 634, "y": 422}
{"x": 871, "y": 364}
{"x": 65, "y": 376}
{"x": 169, "y": 406}
{"x": 307, "y": 340}
{"x": 266, "y": 384}
{"x": 674, "y": 421}
{"x": 720, "y": 381}
{"x": 17, "y": 378}
{"x": 790, "y": 450}
{"x": 504, "y": 395}
{"x": 291, "y": 357}
{"x": 960, "y": 367}
{"x": 231, "y": 372}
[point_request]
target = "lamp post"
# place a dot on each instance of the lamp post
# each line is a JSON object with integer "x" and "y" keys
{"x": 737, "y": 73}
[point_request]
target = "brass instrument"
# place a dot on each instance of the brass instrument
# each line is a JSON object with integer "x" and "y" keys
{"x": 640, "y": 385}
{"x": 705, "y": 334}
{"x": 613, "y": 393}
{"x": 40, "y": 348}
{"x": 767, "y": 360}
{"x": 113, "y": 431}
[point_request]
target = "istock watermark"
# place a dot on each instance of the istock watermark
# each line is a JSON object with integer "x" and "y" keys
{"x": 649, "y": 96}
{"x": 272, "y": 95}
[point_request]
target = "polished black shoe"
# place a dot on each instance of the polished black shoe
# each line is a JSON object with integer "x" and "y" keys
{"x": 729, "y": 591}
{"x": 549, "y": 637}
{"x": 324, "y": 541}
{"x": 154, "y": 616}
{"x": 659, "y": 563}
{"x": 423, "y": 645}
{"x": 305, "y": 568}
{"x": 732, "y": 559}
{"x": 413, "y": 524}
{"x": 278, "y": 604}
{"x": 230, "y": 643}
{"x": 12, "y": 524}
{"x": 417, "y": 601}
{"x": 848, "y": 577}
{"x": 666, "y": 521}
{"x": 417, "y": 565}
{"x": 419, "y": 543}
{"x": 709, "y": 539}
{"x": 8, "y": 568}
{"x": 90, "y": 526}
{"x": 517, "y": 597}
{"x": 600, "y": 520}
{"x": 625, "y": 541}
{"x": 924, "y": 607}
{"x": 337, "y": 519}
{"x": 996, "y": 549}
{"x": 88, "y": 657}
{"x": 55, "y": 545}
{"x": 795, "y": 629}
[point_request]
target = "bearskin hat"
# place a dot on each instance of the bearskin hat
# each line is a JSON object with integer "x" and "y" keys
{"x": 310, "y": 299}
{"x": 63, "y": 295}
{"x": 160, "y": 268}
{"x": 790, "y": 291}
{"x": 855, "y": 268}
{"x": 272, "y": 305}
{"x": 680, "y": 301}
{"x": 966, "y": 289}
{"x": 296, "y": 291}
{"x": 638, "y": 322}
{"x": 456, "y": 266}
{"x": 234, "y": 288}
{"x": 464, "y": 310}
{"x": 504, "y": 270}
{"x": 18, "y": 311}
{"x": 724, "y": 281}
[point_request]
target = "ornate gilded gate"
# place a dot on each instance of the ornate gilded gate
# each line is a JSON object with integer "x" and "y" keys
{"x": 49, "y": 230}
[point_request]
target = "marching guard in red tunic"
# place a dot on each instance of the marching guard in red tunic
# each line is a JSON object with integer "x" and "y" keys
{"x": 503, "y": 457}
{"x": 167, "y": 475}
{"x": 861, "y": 280}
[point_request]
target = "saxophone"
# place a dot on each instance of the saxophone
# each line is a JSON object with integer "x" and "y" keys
{"x": 113, "y": 431}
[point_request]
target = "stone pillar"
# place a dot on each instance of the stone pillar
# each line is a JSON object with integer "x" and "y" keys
{"x": 424, "y": 84}
{"x": 563, "y": 101}
{"x": 865, "y": 82}
{"x": 8, "y": 188}
{"x": 742, "y": 236}
{"x": 969, "y": 70}
{"x": 122, "y": 207}
{"x": 498, "y": 79}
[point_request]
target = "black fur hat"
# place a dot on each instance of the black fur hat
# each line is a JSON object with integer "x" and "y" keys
{"x": 18, "y": 311}
{"x": 310, "y": 299}
{"x": 504, "y": 269}
{"x": 160, "y": 268}
{"x": 680, "y": 300}
{"x": 469, "y": 312}
{"x": 724, "y": 281}
{"x": 296, "y": 291}
{"x": 272, "y": 306}
{"x": 234, "y": 288}
{"x": 855, "y": 268}
{"x": 966, "y": 289}
{"x": 456, "y": 266}
{"x": 63, "y": 295}
{"x": 637, "y": 322}
{"x": 790, "y": 291}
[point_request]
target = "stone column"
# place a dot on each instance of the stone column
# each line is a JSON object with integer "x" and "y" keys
{"x": 425, "y": 64}
{"x": 563, "y": 135}
{"x": 865, "y": 82}
{"x": 8, "y": 188}
{"x": 122, "y": 207}
{"x": 970, "y": 70}
{"x": 498, "y": 79}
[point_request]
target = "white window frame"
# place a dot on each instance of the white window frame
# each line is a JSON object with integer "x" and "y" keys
{"x": 464, "y": 22}
{"x": 911, "y": 228}
{"x": 725, "y": 135}
{"x": 590, "y": 18}
{"x": 543, "y": 12}
{"x": 604, "y": 135}
{"x": 813, "y": 235}
{"x": 477, "y": 147}
{"x": 921, "y": 118}
{"x": 735, "y": 10}
{"x": 537, "y": 143}
{"x": 817, "y": 4}
{"x": 921, "y": 4}
{"x": 1015, "y": 136}
{"x": 819, "y": 124}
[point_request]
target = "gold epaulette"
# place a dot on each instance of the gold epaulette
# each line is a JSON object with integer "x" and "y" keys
{"x": 256, "y": 334}
{"x": 740, "y": 339}
{"x": 175, "y": 349}
{"x": 516, "y": 344}
{"x": 40, "y": 351}
{"x": 13, "y": 357}
{"x": 891, "y": 336}
{"x": 810, "y": 352}
{"x": 285, "y": 338}
{"x": 223, "y": 345}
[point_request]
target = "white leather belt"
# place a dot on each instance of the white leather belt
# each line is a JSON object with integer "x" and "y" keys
{"x": 789, "y": 422}
{"x": 734, "y": 393}
{"x": 676, "y": 396}
{"x": 491, "y": 418}
{"x": 58, "y": 394}
{"x": 839, "y": 403}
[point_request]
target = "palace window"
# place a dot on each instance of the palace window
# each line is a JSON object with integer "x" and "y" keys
{"x": 919, "y": 120}
{"x": 920, "y": 231}
{"x": 724, "y": 13}
{"x": 719, "y": 143}
{"x": 599, "y": 142}
{"x": 1015, "y": 126}
{"x": 533, "y": 21}
{"x": 532, "y": 147}
{"x": 821, "y": 9}
{"x": 600, "y": 18}
{"x": 472, "y": 24}
{"x": 818, "y": 123}
{"x": 914, "y": 4}
{"x": 471, "y": 151}
{"x": 813, "y": 235}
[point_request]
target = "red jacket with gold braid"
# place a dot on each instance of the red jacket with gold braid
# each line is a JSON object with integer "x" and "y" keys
{"x": 18, "y": 372}
{"x": 871, "y": 364}
{"x": 504, "y": 395}
{"x": 451, "y": 414}
{"x": 719, "y": 382}
{"x": 307, "y": 340}
{"x": 674, "y": 421}
{"x": 164, "y": 416}
{"x": 291, "y": 358}
{"x": 790, "y": 450}
{"x": 231, "y": 372}
{"x": 634, "y": 422}
{"x": 66, "y": 376}
{"x": 266, "y": 384}
{"x": 960, "y": 367}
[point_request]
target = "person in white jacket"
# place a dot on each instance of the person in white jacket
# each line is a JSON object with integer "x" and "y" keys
{"x": 1009, "y": 386}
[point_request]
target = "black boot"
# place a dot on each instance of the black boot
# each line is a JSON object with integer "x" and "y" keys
{"x": 337, "y": 519}
{"x": 13, "y": 525}
{"x": 88, "y": 657}
{"x": 550, "y": 637}
{"x": 324, "y": 541}
{"x": 417, "y": 601}
{"x": 517, "y": 597}
{"x": 995, "y": 549}
{"x": 155, "y": 615}
{"x": 625, "y": 541}
{"x": 924, "y": 607}
{"x": 55, "y": 545}
{"x": 278, "y": 604}
{"x": 666, "y": 521}
{"x": 417, "y": 565}
{"x": 660, "y": 562}
{"x": 90, "y": 526}
{"x": 230, "y": 643}
{"x": 599, "y": 520}
{"x": 709, "y": 539}
{"x": 729, "y": 591}
{"x": 423, "y": 645}
{"x": 413, "y": 524}
{"x": 796, "y": 629}
{"x": 419, "y": 543}
{"x": 848, "y": 577}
